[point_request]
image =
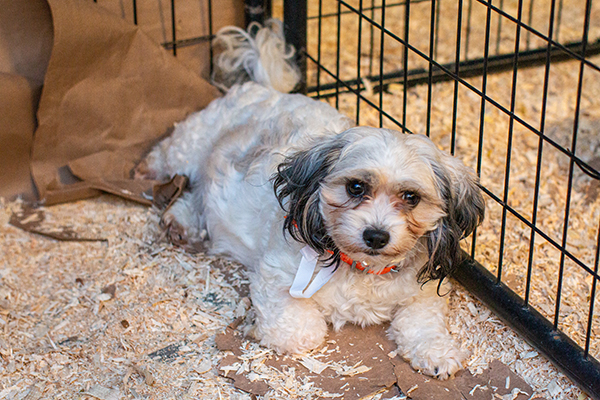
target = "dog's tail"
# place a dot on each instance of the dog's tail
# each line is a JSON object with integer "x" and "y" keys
{"x": 259, "y": 54}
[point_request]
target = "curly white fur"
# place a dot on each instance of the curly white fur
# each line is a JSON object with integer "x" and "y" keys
{"x": 260, "y": 53}
{"x": 232, "y": 150}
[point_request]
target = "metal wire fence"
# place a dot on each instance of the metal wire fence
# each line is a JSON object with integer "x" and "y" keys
{"x": 461, "y": 52}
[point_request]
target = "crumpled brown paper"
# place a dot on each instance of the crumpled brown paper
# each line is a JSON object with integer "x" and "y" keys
{"x": 25, "y": 43}
{"x": 109, "y": 93}
{"x": 18, "y": 98}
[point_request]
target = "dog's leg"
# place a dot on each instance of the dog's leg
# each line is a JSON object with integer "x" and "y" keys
{"x": 183, "y": 225}
{"x": 282, "y": 322}
{"x": 420, "y": 330}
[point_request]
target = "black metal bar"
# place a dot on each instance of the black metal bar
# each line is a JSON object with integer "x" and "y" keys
{"x": 538, "y": 168}
{"x": 486, "y": 52}
{"x": 590, "y": 323}
{"x": 531, "y": 325}
{"x": 430, "y": 76}
{"x": 558, "y": 20}
{"x": 268, "y": 9}
{"x": 529, "y": 19}
{"x": 173, "y": 29}
{"x": 381, "y": 58}
{"x": 135, "y": 20}
{"x": 319, "y": 37}
{"x": 436, "y": 28}
{"x": 586, "y": 28}
{"x": 337, "y": 55}
{"x": 456, "y": 71}
{"x": 358, "y": 66}
{"x": 511, "y": 123}
{"x": 405, "y": 63}
{"x": 499, "y": 31}
{"x": 254, "y": 11}
{"x": 371, "y": 38}
{"x": 294, "y": 22}
{"x": 211, "y": 34}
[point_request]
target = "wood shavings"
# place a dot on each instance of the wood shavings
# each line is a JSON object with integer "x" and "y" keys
{"x": 345, "y": 370}
{"x": 412, "y": 389}
{"x": 478, "y": 386}
{"x": 103, "y": 393}
{"x": 35, "y": 391}
{"x": 145, "y": 373}
{"x": 512, "y": 395}
{"x": 313, "y": 365}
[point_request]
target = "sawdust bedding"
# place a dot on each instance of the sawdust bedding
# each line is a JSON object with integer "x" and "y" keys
{"x": 130, "y": 317}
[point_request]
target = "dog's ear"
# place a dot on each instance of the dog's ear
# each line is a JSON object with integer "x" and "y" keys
{"x": 465, "y": 209}
{"x": 297, "y": 183}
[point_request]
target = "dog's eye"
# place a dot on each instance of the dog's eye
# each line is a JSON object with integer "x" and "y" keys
{"x": 356, "y": 188}
{"x": 411, "y": 198}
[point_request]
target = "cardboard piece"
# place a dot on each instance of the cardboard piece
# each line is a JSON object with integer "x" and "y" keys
{"x": 492, "y": 382}
{"x": 32, "y": 220}
{"x": 165, "y": 194}
{"x": 18, "y": 101}
{"x": 350, "y": 347}
{"x": 138, "y": 191}
{"x": 370, "y": 347}
{"x": 110, "y": 93}
{"x": 25, "y": 39}
{"x": 25, "y": 44}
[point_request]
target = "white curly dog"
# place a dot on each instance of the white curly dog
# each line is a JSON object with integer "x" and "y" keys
{"x": 336, "y": 223}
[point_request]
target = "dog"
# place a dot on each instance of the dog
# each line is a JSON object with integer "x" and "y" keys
{"x": 336, "y": 223}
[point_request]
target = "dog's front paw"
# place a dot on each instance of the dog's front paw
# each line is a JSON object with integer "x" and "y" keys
{"x": 298, "y": 338}
{"x": 439, "y": 361}
{"x": 296, "y": 328}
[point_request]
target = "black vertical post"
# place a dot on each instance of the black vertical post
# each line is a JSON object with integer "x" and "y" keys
{"x": 255, "y": 11}
{"x": 173, "y": 27}
{"x": 211, "y": 32}
{"x": 294, "y": 22}
{"x": 135, "y": 21}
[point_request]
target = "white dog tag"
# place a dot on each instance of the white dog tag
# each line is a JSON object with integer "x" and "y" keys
{"x": 302, "y": 287}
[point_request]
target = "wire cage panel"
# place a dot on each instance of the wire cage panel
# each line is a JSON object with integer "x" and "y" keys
{"x": 511, "y": 88}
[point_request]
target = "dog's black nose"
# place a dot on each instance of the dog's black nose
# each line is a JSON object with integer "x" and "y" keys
{"x": 376, "y": 238}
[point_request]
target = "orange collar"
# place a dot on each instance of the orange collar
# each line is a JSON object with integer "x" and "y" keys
{"x": 360, "y": 267}
{"x": 357, "y": 265}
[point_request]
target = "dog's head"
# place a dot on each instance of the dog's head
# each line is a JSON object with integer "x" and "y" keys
{"x": 380, "y": 196}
